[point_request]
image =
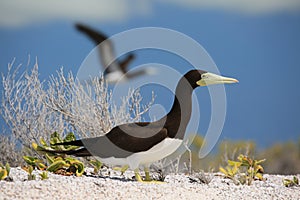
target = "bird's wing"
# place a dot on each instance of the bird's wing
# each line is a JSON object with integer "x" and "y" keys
{"x": 124, "y": 63}
{"x": 96, "y": 36}
{"x": 140, "y": 72}
{"x": 106, "y": 51}
{"x": 137, "y": 137}
{"x": 124, "y": 140}
{"x": 81, "y": 152}
{"x": 120, "y": 142}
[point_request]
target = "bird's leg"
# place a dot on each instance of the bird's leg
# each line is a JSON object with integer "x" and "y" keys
{"x": 123, "y": 169}
{"x": 137, "y": 176}
{"x": 147, "y": 179}
{"x": 147, "y": 174}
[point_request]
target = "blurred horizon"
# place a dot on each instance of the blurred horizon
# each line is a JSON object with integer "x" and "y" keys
{"x": 256, "y": 42}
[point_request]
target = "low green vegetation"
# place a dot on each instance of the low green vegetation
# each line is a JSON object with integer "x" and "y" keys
{"x": 243, "y": 171}
{"x": 4, "y": 171}
{"x": 282, "y": 158}
{"x": 34, "y": 162}
{"x": 59, "y": 164}
{"x": 29, "y": 170}
{"x": 291, "y": 182}
{"x": 44, "y": 175}
{"x": 96, "y": 165}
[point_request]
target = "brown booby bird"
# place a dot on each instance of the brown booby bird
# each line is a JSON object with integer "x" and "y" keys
{"x": 142, "y": 143}
{"x": 116, "y": 70}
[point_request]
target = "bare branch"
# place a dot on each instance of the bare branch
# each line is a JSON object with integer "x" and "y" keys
{"x": 34, "y": 109}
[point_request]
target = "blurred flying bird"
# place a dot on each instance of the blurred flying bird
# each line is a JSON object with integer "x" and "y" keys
{"x": 114, "y": 69}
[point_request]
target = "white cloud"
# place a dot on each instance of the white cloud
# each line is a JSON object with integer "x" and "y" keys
{"x": 241, "y": 6}
{"x": 24, "y": 12}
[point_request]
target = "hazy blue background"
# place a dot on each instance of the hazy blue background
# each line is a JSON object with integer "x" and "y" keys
{"x": 254, "y": 41}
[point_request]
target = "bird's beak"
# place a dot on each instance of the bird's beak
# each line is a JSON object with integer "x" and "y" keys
{"x": 211, "y": 79}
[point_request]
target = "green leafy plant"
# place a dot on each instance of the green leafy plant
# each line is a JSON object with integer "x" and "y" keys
{"x": 231, "y": 169}
{"x": 291, "y": 182}
{"x": 59, "y": 164}
{"x": 44, "y": 175}
{"x": 243, "y": 171}
{"x": 29, "y": 170}
{"x": 55, "y": 139}
{"x": 96, "y": 165}
{"x": 254, "y": 168}
{"x": 4, "y": 171}
{"x": 34, "y": 162}
{"x": 65, "y": 166}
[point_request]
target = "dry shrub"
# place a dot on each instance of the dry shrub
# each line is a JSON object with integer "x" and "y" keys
{"x": 34, "y": 109}
{"x": 9, "y": 152}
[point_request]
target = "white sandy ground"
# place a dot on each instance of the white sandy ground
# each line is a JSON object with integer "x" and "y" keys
{"x": 116, "y": 187}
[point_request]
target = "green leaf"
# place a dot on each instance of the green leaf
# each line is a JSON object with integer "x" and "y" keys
{"x": 3, "y": 173}
{"x": 77, "y": 164}
{"x": 55, "y": 135}
{"x": 44, "y": 175}
{"x": 260, "y": 161}
{"x": 97, "y": 165}
{"x": 34, "y": 146}
{"x": 49, "y": 159}
{"x": 296, "y": 180}
{"x": 80, "y": 169}
{"x": 259, "y": 176}
{"x": 234, "y": 163}
{"x": 43, "y": 142}
{"x": 30, "y": 175}
{"x": 7, "y": 167}
{"x": 34, "y": 162}
{"x": 30, "y": 160}
{"x": 224, "y": 171}
{"x": 40, "y": 165}
{"x": 56, "y": 165}
{"x": 30, "y": 169}
{"x": 245, "y": 161}
{"x": 241, "y": 157}
{"x": 39, "y": 148}
{"x": 287, "y": 182}
{"x": 259, "y": 168}
{"x": 71, "y": 160}
{"x": 54, "y": 139}
{"x": 57, "y": 159}
{"x": 70, "y": 137}
{"x": 70, "y": 147}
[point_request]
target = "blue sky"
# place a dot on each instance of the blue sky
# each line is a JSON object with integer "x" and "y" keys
{"x": 257, "y": 43}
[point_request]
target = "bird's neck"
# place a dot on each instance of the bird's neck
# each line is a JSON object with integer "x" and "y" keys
{"x": 180, "y": 113}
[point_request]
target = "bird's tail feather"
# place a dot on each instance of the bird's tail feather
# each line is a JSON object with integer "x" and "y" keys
{"x": 74, "y": 143}
{"x": 78, "y": 152}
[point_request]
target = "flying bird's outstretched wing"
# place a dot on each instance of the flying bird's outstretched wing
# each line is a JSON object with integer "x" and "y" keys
{"x": 106, "y": 51}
